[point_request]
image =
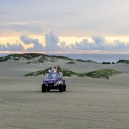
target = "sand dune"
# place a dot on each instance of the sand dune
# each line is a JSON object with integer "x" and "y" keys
{"x": 88, "y": 103}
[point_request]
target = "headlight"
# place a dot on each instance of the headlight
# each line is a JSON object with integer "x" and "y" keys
{"x": 59, "y": 82}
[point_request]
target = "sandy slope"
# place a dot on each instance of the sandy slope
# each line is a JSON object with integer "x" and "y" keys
{"x": 87, "y": 104}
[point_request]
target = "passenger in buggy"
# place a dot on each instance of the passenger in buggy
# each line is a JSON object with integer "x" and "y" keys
{"x": 59, "y": 73}
{"x": 54, "y": 70}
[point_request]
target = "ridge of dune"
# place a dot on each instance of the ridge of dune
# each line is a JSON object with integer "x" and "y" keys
{"x": 34, "y": 58}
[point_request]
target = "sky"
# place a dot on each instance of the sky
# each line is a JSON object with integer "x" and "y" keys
{"x": 64, "y": 26}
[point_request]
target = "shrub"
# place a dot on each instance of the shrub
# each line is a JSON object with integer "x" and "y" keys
{"x": 103, "y": 73}
{"x": 70, "y": 62}
{"x": 106, "y": 63}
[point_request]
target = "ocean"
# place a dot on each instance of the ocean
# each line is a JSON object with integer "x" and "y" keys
{"x": 95, "y": 57}
{"x": 98, "y": 57}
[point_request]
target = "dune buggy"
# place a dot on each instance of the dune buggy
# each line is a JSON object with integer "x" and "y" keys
{"x": 53, "y": 81}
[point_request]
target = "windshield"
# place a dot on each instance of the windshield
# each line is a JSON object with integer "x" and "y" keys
{"x": 52, "y": 76}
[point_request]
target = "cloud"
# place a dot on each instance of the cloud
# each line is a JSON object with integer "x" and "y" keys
{"x": 53, "y": 44}
{"x": 12, "y": 47}
{"x": 63, "y": 45}
{"x": 52, "y": 41}
{"x": 2, "y": 47}
{"x": 15, "y": 47}
{"x": 37, "y": 46}
{"x": 99, "y": 43}
{"x": 118, "y": 45}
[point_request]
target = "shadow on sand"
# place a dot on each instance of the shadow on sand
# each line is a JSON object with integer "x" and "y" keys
{"x": 55, "y": 91}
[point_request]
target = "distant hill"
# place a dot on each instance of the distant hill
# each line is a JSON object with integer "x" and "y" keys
{"x": 33, "y": 58}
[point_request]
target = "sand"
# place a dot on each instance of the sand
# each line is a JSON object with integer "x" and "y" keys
{"x": 87, "y": 104}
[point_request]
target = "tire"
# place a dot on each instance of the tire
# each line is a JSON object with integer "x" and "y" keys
{"x": 48, "y": 89}
{"x": 43, "y": 88}
{"x": 60, "y": 88}
{"x": 64, "y": 87}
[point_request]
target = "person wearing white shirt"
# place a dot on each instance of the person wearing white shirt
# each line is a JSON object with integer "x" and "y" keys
{"x": 59, "y": 73}
{"x": 50, "y": 70}
{"x": 54, "y": 70}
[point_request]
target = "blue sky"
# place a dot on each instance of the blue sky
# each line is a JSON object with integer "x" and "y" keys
{"x": 64, "y": 25}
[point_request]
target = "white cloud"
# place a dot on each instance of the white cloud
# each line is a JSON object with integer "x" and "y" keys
{"x": 37, "y": 46}
{"x": 15, "y": 47}
{"x": 52, "y": 41}
{"x": 53, "y": 45}
{"x": 63, "y": 45}
{"x": 2, "y": 47}
{"x": 12, "y": 47}
{"x": 100, "y": 43}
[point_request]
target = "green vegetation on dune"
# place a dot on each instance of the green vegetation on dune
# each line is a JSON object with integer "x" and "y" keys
{"x": 106, "y": 63}
{"x": 119, "y": 61}
{"x": 80, "y": 60}
{"x": 2, "y": 59}
{"x": 34, "y": 58}
{"x": 67, "y": 72}
{"x": 37, "y": 73}
{"x": 103, "y": 73}
{"x": 123, "y": 61}
{"x": 88, "y": 61}
{"x": 43, "y": 72}
{"x": 71, "y": 62}
{"x": 26, "y": 56}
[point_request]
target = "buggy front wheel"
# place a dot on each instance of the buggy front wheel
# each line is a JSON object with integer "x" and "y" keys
{"x": 60, "y": 88}
{"x": 64, "y": 87}
{"x": 48, "y": 89}
{"x": 43, "y": 88}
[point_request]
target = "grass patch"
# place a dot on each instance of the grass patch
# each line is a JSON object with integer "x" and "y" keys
{"x": 103, "y": 73}
{"x": 53, "y": 60}
{"x": 16, "y": 59}
{"x": 123, "y": 61}
{"x": 65, "y": 72}
{"x": 106, "y": 63}
{"x": 41, "y": 60}
{"x": 71, "y": 62}
{"x": 80, "y": 60}
{"x": 29, "y": 56}
{"x": 68, "y": 73}
{"x": 41, "y": 72}
{"x": 88, "y": 61}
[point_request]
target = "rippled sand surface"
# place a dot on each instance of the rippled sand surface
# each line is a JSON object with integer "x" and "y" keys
{"x": 87, "y": 103}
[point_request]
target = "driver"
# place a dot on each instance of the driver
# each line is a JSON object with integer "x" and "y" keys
{"x": 50, "y": 70}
